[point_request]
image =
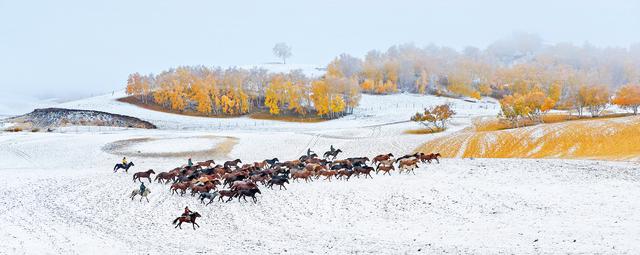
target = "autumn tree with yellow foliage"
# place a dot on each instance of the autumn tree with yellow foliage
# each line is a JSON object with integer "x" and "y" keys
{"x": 628, "y": 97}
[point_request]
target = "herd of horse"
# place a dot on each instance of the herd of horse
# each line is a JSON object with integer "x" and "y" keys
{"x": 235, "y": 179}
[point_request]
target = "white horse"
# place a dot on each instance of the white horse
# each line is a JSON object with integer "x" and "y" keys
{"x": 136, "y": 192}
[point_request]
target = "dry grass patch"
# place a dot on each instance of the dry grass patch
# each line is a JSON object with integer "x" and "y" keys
{"x": 268, "y": 116}
{"x": 600, "y": 138}
{"x": 422, "y": 131}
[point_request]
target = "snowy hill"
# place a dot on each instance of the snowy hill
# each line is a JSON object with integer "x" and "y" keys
{"x": 57, "y": 117}
{"x": 60, "y": 194}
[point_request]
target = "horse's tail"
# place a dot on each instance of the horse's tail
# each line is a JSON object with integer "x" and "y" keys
{"x": 176, "y": 220}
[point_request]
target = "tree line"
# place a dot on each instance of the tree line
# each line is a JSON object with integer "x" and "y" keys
{"x": 213, "y": 91}
{"x": 528, "y": 77}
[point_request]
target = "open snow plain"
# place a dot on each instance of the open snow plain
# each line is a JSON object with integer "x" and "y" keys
{"x": 60, "y": 195}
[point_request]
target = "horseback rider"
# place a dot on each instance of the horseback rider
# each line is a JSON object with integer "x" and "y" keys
{"x": 189, "y": 163}
{"x": 142, "y": 188}
{"x": 309, "y": 152}
{"x": 332, "y": 149}
{"x": 187, "y": 212}
{"x": 124, "y": 161}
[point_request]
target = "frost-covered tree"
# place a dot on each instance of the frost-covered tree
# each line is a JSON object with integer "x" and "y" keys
{"x": 283, "y": 51}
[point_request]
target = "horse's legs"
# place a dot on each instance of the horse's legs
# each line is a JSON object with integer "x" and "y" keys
{"x": 255, "y": 200}
{"x": 141, "y": 196}
{"x": 369, "y": 174}
{"x": 149, "y": 177}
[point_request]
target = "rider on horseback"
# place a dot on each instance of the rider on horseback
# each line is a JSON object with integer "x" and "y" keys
{"x": 124, "y": 161}
{"x": 332, "y": 149}
{"x": 187, "y": 212}
{"x": 309, "y": 152}
{"x": 189, "y": 163}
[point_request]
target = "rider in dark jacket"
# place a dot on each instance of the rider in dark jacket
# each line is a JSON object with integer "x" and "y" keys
{"x": 142, "y": 188}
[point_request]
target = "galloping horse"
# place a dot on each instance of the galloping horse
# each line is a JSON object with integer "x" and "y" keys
{"x": 233, "y": 163}
{"x": 136, "y": 192}
{"x": 332, "y": 154}
{"x": 382, "y": 157}
{"x": 145, "y": 174}
{"x": 208, "y": 195}
{"x": 250, "y": 192}
{"x": 207, "y": 163}
{"x": 121, "y": 166}
{"x": 272, "y": 161}
{"x": 188, "y": 219}
{"x": 166, "y": 177}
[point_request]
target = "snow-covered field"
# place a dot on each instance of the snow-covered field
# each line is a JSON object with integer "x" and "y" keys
{"x": 59, "y": 194}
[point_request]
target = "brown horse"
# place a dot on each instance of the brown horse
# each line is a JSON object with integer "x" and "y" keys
{"x": 242, "y": 185}
{"x": 227, "y": 193}
{"x": 188, "y": 219}
{"x": 182, "y": 186}
{"x": 147, "y": 174}
{"x": 327, "y": 174}
{"x": 200, "y": 189}
{"x": 248, "y": 192}
{"x": 166, "y": 177}
{"x": 304, "y": 174}
{"x": 344, "y": 173}
{"x": 260, "y": 178}
{"x": 408, "y": 165}
{"x": 207, "y": 163}
{"x": 382, "y": 157}
{"x": 315, "y": 168}
{"x": 260, "y": 165}
{"x": 385, "y": 169}
{"x": 365, "y": 170}
{"x": 232, "y": 163}
{"x": 428, "y": 157}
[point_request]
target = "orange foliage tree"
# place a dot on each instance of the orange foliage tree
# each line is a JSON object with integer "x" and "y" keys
{"x": 628, "y": 97}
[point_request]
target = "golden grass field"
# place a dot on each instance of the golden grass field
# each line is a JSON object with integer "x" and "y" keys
{"x": 602, "y": 138}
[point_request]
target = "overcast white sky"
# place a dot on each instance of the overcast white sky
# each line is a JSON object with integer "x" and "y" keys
{"x": 79, "y": 47}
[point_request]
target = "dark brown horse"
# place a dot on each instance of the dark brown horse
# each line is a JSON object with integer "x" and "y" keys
{"x": 146, "y": 174}
{"x": 182, "y": 186}
{"x": 278, "y": 181}
{"x": 248, "y": 193}
{"x": 365, "y": 170}
{"x": 188, "y": 219}
{"x": 428, "y": 157}
{"x": 344, "y": 173}
{"x": 232, "y": 163}
{"x": 332, "y": 154}
{"x": 166, "y": 177}
{"x": 227, "y": 193}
